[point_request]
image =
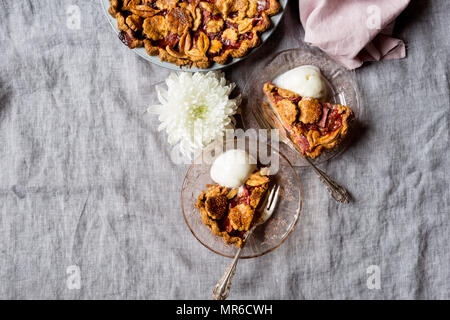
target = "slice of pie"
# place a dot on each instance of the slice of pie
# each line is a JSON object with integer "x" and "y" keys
{"x": 229, "y": 213}
{"x": 313, "y": 126}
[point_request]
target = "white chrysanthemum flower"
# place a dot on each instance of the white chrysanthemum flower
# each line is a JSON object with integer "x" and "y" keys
{"x": 195, "y": 109}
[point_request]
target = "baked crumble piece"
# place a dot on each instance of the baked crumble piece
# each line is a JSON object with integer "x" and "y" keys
{"x": 193, "y": 32}
{"x": 229, "y": 213}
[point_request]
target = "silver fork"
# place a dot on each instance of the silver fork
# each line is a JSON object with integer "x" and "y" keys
{"x": 268, "y": 120}
{"x": 222, "y": 288}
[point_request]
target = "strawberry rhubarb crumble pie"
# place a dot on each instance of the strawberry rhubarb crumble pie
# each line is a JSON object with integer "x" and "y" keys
{"x": 230, "y": 212}
{"x": 313, "y": 126}
{"x": 193, "y": 32}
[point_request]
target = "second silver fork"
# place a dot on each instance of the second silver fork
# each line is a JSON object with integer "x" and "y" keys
{"x": 269, "y": 122}
{"x": 222, "y": 288}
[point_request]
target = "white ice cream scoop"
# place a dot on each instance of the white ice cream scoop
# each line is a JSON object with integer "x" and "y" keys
{"x": 307, "y": 81}
{"x": 232, "y": 168}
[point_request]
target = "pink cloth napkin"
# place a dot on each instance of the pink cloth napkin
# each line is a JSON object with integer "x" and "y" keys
{"x": 353, "y": 31}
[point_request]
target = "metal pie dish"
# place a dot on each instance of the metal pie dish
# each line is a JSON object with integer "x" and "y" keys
{"x": 216, "y": 66}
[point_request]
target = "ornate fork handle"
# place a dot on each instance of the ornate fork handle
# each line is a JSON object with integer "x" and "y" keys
{"x": 222, "y": 288}
{"x": 337, "y": 192}
{"x": 267, "y": 119}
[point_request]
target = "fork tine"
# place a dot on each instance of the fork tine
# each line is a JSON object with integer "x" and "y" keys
{"x": 270, "y": 198}
{"x": 267, "y": 119}
{"x": 268, "y": 112}
{"x": 274, "y": 200}
{"x": 266, "y": 198}
{"x": 261, "y": 120}
{"x": 257, "y": 117}
{"x": 273, "y": 119}
{"x": 270, "y": 120}
{"x": 268, "y": 115}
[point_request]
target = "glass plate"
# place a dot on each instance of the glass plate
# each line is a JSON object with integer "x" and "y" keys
{"x": 341, "y": 82}
{"x": 155, "y": 60}
{"x": 266, "y": 237}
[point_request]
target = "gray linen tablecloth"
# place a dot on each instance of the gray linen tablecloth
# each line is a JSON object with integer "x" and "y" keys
{"x": 86, "y": 179}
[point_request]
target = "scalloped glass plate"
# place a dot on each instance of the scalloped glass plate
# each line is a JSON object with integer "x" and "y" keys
{"x": 155, "y": 60}
{"x": 341, "y": 85}
{"x": 266, "y": 237}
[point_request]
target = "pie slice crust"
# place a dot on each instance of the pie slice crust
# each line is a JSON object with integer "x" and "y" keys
{"x": 313, "y": 126}
{"x": 229, "y": 213}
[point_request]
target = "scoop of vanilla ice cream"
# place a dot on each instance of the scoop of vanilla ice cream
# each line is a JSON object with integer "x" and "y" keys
{"x": 307, "y": 81}
{"x": 232, "y": 168}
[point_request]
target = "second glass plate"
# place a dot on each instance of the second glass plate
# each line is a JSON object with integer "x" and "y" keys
{"x": 341, "y": 81}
